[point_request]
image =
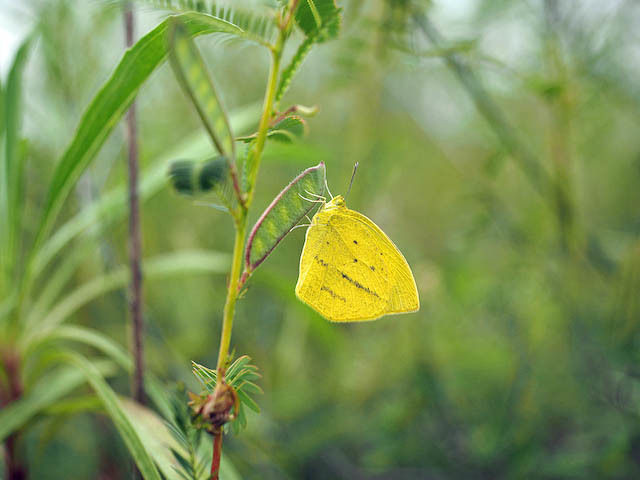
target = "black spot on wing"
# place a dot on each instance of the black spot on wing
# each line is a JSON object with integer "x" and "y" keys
{"x": 320, "y": 261}
{"x": 324, "y": 288}
{"x": 357, "y": 284}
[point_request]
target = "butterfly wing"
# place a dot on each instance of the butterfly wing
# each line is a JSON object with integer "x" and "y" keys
{"x": 388, "y": 262}
{"x": 351, "y": 271}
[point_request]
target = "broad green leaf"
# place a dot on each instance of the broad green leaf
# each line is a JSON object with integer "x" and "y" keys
{"x": 49, "y": 390}
{"x": 11, "y": 163}
{"x": 283, "y": 214}
{"x": 319, "y": 19}
{"x": 122, "y": 421}
{"x": 286, "y": 130}
{"x": 196, "y": 81}
{"x": 112, "y": 101}
{"x": 161, "y": 266}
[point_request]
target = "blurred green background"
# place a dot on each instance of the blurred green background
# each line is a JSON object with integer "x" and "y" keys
{"x": 523, "y": 360}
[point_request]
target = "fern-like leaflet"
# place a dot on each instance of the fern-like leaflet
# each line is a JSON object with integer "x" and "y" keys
{"x": 240, "y": 376}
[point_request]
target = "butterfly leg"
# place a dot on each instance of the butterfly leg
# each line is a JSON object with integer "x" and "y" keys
{"x": 309, "y": 200}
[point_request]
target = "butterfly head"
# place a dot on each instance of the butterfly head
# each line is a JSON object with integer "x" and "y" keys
{"x": 336, "y": 202}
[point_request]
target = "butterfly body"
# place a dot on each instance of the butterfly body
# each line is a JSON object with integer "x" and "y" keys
{"x": 350, "y": 270}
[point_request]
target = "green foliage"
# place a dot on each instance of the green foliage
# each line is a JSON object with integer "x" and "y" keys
{"x": 286, "y": 130}
{"x": 192, "y": 74}
{"x": 190, "y": 465}
{"x": 51, "y": 388}
{"x": 112, "y": 101}
{"x": 257, "y": 27}
{"x": 318, "y": 19}
{"x": 285, "y": 211}
{"x": 198, "y": 178}
{"x": 294, "y": 65}
{"x": 240, "y": 376}
{"x": 119, "y": 416}
{"x": 11, "y": 165}
{"x": 161, "y": 266}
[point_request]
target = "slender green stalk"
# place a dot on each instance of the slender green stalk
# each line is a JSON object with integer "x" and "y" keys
{"x": 255, "y": 154}
{"x": 232, "y": 294}
{"x": 240, "y": 217}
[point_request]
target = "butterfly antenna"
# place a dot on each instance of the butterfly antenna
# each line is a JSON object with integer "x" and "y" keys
{"x": 353, "y": 175}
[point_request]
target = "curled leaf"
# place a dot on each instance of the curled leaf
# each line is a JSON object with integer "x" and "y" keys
{"x": 198, "y": 178}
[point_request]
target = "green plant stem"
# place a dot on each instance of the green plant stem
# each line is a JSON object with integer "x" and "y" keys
{"x": 232, "y": 294}
{"x": 240, "y": 218}
{"x": 255, "y": 154}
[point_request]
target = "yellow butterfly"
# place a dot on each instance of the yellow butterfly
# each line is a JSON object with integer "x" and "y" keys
{"x": 350, "y": 270}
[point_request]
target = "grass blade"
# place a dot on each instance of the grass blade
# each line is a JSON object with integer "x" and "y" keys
{"x": 48, "y": 391}
{"x": 111, "y": 102}
{"x": 119, "y": 416}
{"x": 161, "y": 266}
{"x": 12, "y": 165}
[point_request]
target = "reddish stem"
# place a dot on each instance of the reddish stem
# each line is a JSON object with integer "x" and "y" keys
{"x": 11, "y": 361}
{"x": 217, "y": 453}
{"x": 135, "y": 253}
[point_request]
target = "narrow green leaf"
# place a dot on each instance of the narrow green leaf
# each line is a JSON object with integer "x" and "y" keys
{"x": 155, "y": 435}
{"x": 119, "y": 416}
{"x": 248, "y": 401}
{"x": 161, "y": 266}
{"x": 283, "y": 214}
{"x": 2, "y": 104}
{"x": 319, "y": 19}
{"x": 111, "y": 102}
{"x": 196, "y": 81}
{"x": 12, "y": 164}
{"x": 93, "y": 338}
{"x": 112, "y": 205}
{"x": 74, "y": 405}
{"x": 50, "y": 389}
{"x": 237, "y": 365}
